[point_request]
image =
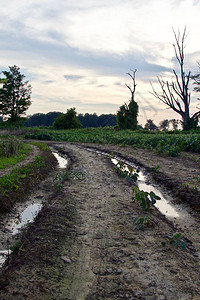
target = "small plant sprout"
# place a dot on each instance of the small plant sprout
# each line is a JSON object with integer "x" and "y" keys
{"x": 177, "y": 240}
{"x": 67, "y": 175}
{"x": 142, "y": 222}
{"x": 145, "y": 199}
{"x": 126, "y": 171}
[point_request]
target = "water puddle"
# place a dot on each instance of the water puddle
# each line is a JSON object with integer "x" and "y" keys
{"x": 62, "y": 161}
{"x": 23, "y": 214}
{"x": 176, "y": 213}
{"x": 4, "y": 254}
{"x": 164, "y": 203}
{"x": 26, "y": 217}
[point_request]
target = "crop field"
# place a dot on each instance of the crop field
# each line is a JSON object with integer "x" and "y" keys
{"x": 170, "y": 143}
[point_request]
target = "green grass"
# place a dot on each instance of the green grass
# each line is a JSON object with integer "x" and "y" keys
{"x": 15, "y": 185}
{"x": 13, "y": 160}
{"x": 163, "y": 143}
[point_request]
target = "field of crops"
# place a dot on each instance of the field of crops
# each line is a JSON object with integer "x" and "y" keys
{"x": 168, "y": 143}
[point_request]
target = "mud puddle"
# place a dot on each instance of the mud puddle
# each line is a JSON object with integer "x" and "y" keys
{"x": 24, "y": 213}
{"x": 62, "y": 161}
{"x": 178, "y": 214}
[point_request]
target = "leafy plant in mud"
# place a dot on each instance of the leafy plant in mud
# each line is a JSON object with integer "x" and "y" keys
{"x": 128, "y": 174}
{"x": 192, "y": 182}
{"x": 63, "y": 176}
{"x": 156, "y": 168}
{"x": 177, "y": 240}
{"x": 142, "y": 222}
{"x": 17, "y": 247}
{"x": 145, "y": 199}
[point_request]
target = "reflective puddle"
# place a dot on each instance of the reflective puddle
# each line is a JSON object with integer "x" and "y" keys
{"x": 163, "y": 204}
{"x": 62, "y": 161}
{"x": 174, "y": 212}
{"x": 27, "y": 216}
{"x": 14, "y": 224}
{"x": 23, "y": 215}
{"x": 4, "y": 254}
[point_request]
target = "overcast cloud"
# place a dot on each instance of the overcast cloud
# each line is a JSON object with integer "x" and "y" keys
{"x": 77, "y": 53}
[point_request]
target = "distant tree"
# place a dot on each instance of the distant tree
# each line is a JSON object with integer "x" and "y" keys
{"x": 107, "y": 120}
{"x": 68, "y": 120}
{"x": 127, "y": 113}
{"x": 92, "y": 120}
{"x": 15, "y": 94}
{"x": 88, "y": 120}
{"x": 150, "y": 125}
{"x": 176, "y": 94}
{"x": 174, "y": 123}
{"x": 41, "y": 119}
{"x": 164, "y": 125}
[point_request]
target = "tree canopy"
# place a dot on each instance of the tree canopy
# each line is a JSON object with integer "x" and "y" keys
{"x": 15, "y": 94}
{"x": 68, "y": 120}
{"x": 127, "y": 113}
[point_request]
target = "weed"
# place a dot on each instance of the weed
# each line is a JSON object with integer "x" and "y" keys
{"x": 67, "y": 175}
{"x": 142, "y": 222}
{"x": 145, "y": 199}
{"x": 16, "y": 247}
{"x": 156, "y": 168}
{"x": 177, "y": 240}
{"x": 126, "y": 171}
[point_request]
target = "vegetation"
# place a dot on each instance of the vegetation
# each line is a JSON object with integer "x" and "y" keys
{"x": 142, "y": 222}
{"x": 127, "y": 113}
{"x": 68, "y": 120}
{"x": 169, "y": 143}
{"x": 15, "y": 95}
{"x": 177, "y": 240}
{"x": 15, "y": 185}
{"x": 176, "y": 94}
{"x": 86, "y": 120}
{"x": 12, "y": 152}
{"x": 145, "y": 199}
{"x": 124, "y": 172}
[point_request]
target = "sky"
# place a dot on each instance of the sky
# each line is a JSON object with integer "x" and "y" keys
{"x": 78, "y": 53}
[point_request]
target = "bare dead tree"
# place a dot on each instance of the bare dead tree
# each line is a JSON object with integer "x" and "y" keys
{"x": 132, "y": 90}
{"x": 175, "y": 94}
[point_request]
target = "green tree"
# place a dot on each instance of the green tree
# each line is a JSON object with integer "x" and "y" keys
{"x": 15, "y": 94}
{"x": 68, "y": 120}
{"x": 150, "y": 125}
{"x": 164, "y": 125}
{"x": 127, "y": 113}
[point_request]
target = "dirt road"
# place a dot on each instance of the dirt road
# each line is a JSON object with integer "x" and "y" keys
{"x": 83, "y": 245}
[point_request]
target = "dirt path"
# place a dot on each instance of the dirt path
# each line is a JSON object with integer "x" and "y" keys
{"x": 83, "y": 245}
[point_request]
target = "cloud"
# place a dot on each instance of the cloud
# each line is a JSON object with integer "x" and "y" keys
{"x": 73, "y": 77}
{"x": 49, "y": 81}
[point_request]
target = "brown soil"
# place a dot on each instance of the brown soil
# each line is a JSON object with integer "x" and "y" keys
{"x": 83, "y": 244}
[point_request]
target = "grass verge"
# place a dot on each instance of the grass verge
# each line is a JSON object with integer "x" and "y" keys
{"x": 15, "y": 185}
{"x": 13, "y": 160}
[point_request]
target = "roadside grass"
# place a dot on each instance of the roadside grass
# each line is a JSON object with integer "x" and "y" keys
{"x": 13, "y": 160}
{"x": 15, "y": 185}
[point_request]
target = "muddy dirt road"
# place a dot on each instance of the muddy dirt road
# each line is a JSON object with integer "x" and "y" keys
{"x": 83, "y": 244}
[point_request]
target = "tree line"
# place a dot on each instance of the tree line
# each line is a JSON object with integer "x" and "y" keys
{"x": 86, "y": 120}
